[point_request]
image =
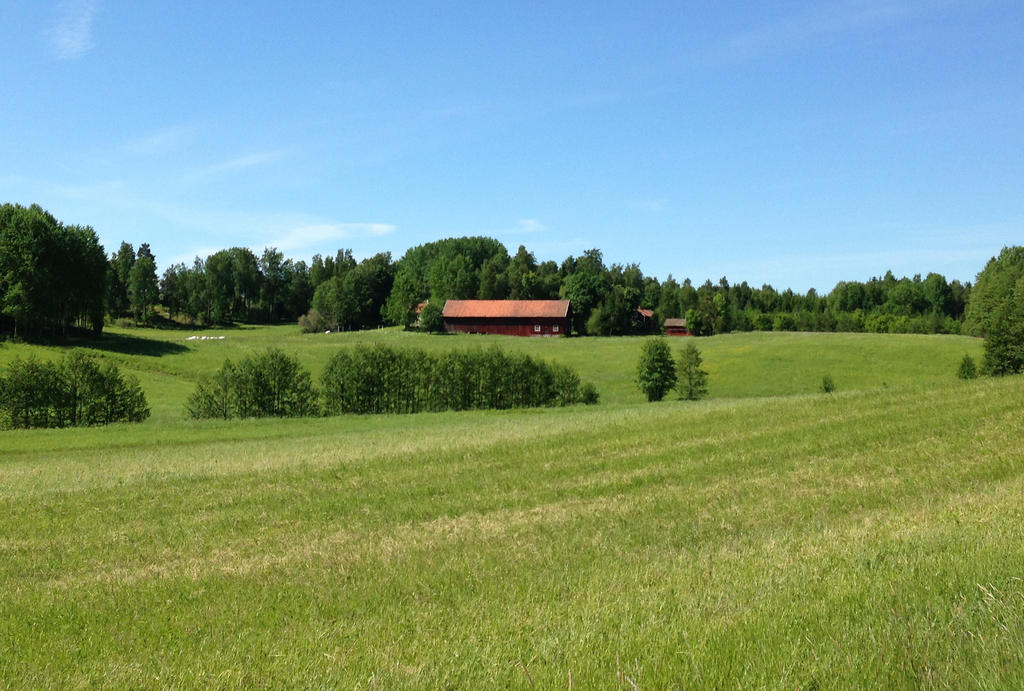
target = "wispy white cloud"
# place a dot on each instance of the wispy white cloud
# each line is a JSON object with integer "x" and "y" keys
{"x": 311, "y": 236}
{"x": 820, "y": 21}
{"x": 651, "y": 205}
{"x": 529, "y": 225}
{"x": 71, "y": 36}
{"x": 159, "y": 142}
{"x": 235, "y": 164}
{"x": 523, "y": 226}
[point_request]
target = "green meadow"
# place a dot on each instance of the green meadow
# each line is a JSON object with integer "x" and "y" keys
{"x": 740, "y": 365}
{"x": 770, "y": 536}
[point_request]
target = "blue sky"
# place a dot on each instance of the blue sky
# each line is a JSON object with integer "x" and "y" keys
{"x": 790, "y": 143}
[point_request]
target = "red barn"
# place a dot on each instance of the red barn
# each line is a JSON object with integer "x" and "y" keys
{"x": 676, "y": 327}
{"x": 508, "y": 317}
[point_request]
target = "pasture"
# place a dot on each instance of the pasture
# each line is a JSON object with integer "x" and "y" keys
{"x": 740, "y": 365}
{"x": 769, "y": 536}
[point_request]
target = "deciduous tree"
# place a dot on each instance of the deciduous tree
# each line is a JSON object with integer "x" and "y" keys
{"x": 656, "y": 370}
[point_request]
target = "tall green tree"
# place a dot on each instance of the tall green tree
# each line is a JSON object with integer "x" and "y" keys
{"x": 992, "y": 288}
{"x": 52, "y": 276}
{"x": 143, "y": 288}
{"x": 693, "y": 380}
{"x": 1004, "y": 340}
{"x": 656, "y": 369}
{"x": 120, "y": 268}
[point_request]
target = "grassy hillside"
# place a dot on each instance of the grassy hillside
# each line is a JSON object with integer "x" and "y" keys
{"x": 740, "y": 365}
{"x": 873, "y": 537}
{"x": 867, "y": 539}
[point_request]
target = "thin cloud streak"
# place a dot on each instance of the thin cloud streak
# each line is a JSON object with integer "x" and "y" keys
{"x": 233, "y": 165}
{"x": 72, "y": 36}
{"x": 159, "y": 142}
{"x": 815, "y": 24}
{"x": 523, "y": 226}
{"x": 312, "y": 235}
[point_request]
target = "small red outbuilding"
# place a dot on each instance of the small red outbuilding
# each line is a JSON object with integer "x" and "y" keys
{"x": 508, "y": 317}
{"x": 676, "y": 327}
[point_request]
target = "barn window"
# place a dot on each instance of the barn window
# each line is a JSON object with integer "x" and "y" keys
{"x": 554, "y": 328}
{"x": 536, "y": 328}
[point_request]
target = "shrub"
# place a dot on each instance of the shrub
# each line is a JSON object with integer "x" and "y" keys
{"x": 827, "y": 385}
{"x": 589, "y": 394}
{"x": 312, "y": 322}
{"x": 967, "y": 369}
{"x": 431, "y": 318}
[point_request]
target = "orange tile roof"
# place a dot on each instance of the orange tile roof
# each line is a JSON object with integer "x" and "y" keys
{"x": 524, "y": 309}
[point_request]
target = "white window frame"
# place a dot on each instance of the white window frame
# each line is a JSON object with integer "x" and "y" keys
{"x": 554, "y": 328}
{"x": 536, "y": 328}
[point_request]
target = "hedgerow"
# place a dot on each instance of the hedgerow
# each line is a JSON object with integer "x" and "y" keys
{"x": 74, "y": 392}
{"x": 269, "y": 384}
{"x": 380, "y": 379}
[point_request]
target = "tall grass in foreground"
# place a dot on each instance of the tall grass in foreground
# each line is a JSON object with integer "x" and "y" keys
{"x": 862, "y": 539}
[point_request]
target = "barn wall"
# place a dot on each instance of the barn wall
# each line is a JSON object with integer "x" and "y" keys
{"x": 507, "y": 327}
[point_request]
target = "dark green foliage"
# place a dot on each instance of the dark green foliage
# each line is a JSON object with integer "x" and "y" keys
{"x": 585, "y": 286}
{"x": 29, "y": 393}
{"x": 268, "y": 384}
{"x": 589, "y": 394}
{"x": 656, "y": 370}
{"x": 354, "y": 296}
{"x": 993, "y": 286}
{"x": 827, "y": 384}
{"x": 452, "y": 268}
{"x": 379, "y": 379}
{"x": 272, "y": 384}
{"x": 212, "y": 397}
{"x": 431, "y": 318}
{"x": 117, "y": 280}
{"x": 968, "y": 369}
{"x": 53, "y": 277}
{"x": 76, "y": 391}
{"x": 143, "y": 289}
{"x": 1004, "y": 340}
{"x": 693, "y": 381}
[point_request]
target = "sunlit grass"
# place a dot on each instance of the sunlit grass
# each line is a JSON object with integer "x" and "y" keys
{"x": 769, "y": 536}
{"x": 740, "y": 365}
{"x": 868, "y": 538}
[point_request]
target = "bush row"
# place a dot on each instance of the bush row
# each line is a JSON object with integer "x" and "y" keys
{"x": 380, "y": 379}
{"x": 73, "y": 392}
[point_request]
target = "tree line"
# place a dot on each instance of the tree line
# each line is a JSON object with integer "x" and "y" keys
{"x": 339, "y": 293}
{"x": 55, "y": 277}
{"x": 380, "y": 379}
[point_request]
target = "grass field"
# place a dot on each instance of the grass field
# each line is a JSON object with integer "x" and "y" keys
{"x": 740, "y": 365}
{"x": 770, "y": 536}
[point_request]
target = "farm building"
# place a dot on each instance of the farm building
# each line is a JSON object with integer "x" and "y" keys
{"x": 643, "y": 320}
{"x": 508, "y": 317}
{"x": 676, "y": 327}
